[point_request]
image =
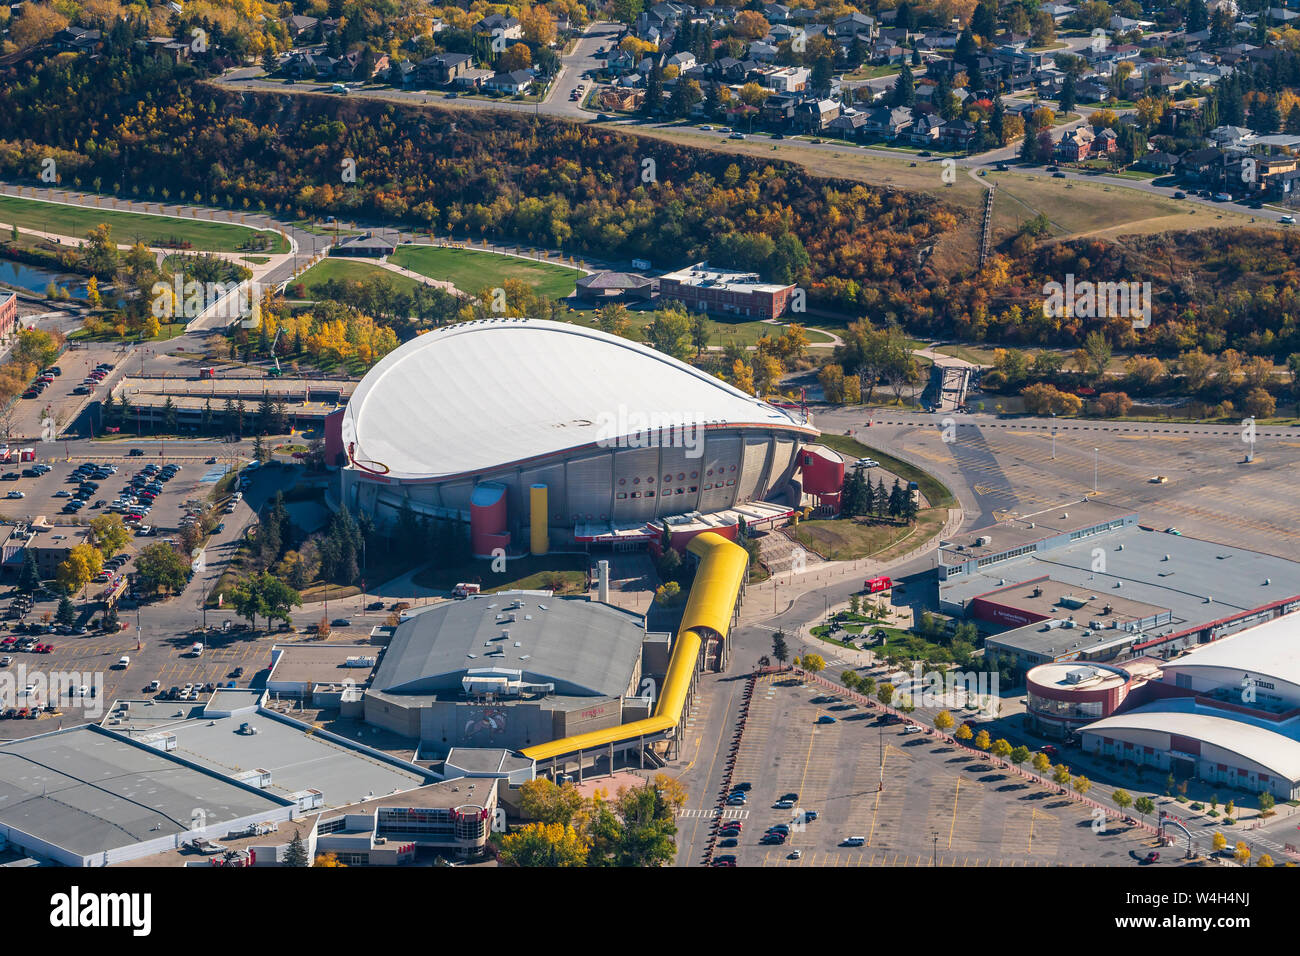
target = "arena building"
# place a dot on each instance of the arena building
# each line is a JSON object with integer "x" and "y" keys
{"x": 535, "y": 431}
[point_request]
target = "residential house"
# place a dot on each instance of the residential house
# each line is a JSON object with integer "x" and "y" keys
{"x": 499, "y": 25}
{"x": 77, "y": 40}
{"x": 957, "y": 134}
{"x": 1075, "y": 145}
{"x": 924, "y": 130}
{"x": 850, "y": 124}
{"x": 886, "y": 123}
{"x": 854, "y": 24}
{"x": 792, "y": 79}
{"x": 683, "y": 61}
{"x": 777, "y": 110}
{"x": 442, "y": 68}
{"x": 1158, "y": 162}
{"x": 1120, "y": 24}
{"x": 815, "y": 115}
{"x": 516, "y": 81}
{"x": 298, "y": 25}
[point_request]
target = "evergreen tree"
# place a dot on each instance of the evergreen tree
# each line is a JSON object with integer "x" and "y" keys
{"x": 29, "y": 578}
{"x": 108, "y": 411}
{"x": 896, "y": 496}
{"x": 67, "y": 613}
{"x": 296, "y": 853}
{"x": 228, "y": 417}
{"x": 169, "y": 416}
{"x": 265, "y": 414}
{"x": 1198, "y": 17}
{"x": 904, "y": 92}
{"x": 1068, "y": 94}
{"x": 997, "y": 121}
{"x": 983, "y": 21}
{"x": 779, "y": 649}
{"x": 904, "y": 20}
{"x": 206, "y": 420}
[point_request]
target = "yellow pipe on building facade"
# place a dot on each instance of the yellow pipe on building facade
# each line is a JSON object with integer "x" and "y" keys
{"x": 539, "y": 542}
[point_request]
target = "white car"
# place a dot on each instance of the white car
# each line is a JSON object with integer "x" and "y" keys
{"x": 1287, "y": 220}
{"x": 6, "y": 661}
{"x": 15, "y": 494}
{"x": 706, "y": 127}
{"x": 868, "y": 463}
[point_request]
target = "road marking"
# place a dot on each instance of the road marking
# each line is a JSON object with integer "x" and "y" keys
{"x": 953, "y": 827}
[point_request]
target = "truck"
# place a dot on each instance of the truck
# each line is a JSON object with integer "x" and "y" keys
{"x": 464, "y": 590}
{"x": 28, "y": 454}
{"x": 882, "y": 582}
{"x": 196, "y": 649}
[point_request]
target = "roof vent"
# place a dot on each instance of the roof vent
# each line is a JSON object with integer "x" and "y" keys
{"x": 1065, "y": 515}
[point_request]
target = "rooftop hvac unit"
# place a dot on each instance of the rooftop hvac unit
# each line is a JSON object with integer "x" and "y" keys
{"x": 247, "y": 729}
{"x": 1065, "y": 515}
{"x": 983, "y": 541}
{"x": 1077, "y": 675}
{"x": 361, "y": 662}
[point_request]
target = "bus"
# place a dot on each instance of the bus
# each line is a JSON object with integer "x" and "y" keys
{"x": 881, "y": 583}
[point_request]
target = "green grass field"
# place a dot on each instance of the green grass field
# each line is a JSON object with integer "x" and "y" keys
{"x": 67, "y": 220}
{"x": 721, "y": 331}
{"x": 471, "y": 270}
{"x": 328, "y": 269}
{"x": 935, "y": 491}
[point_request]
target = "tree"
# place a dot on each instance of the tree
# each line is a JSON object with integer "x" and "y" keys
{"x": 81, "y": 565}
{"x": 1001, "y": 748}
{"x": 1264, "y": 860}
{"x": 1241, "y": 853}
{"x": 1144, "y": 806}
{"x": 904, "y": 91}
{"x": 1220, "y": 842}
{"x": 1042, "y": 763}
{"x": 29, "y": 578}
{"x": 296, "y": 853}
{"x": 67, "y": 613}
{"x": 1061, "y": 774}
{"x": 943, "y": 721}
{"x": 544, "y": 844}
{"x": 109, "y": 534}
{"x": 159, "y": 567}
{"x": 885, "y": 693}
{"x": 982, "y": 740}
{"x": 1266, "y": 803}
{"x": 1122, "y": 799}
{"x": 849, "y": 678}
{"x": 542, "y": 800}
{"x": 964, "y": 733}
{"x": 813, "y": 663}
{"x": 1081, "y": 785}
{"x": 1019, "y": 755}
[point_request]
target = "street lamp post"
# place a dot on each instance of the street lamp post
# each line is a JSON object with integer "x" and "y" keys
{"x": 1095, "y": 452}
{"x": 1053, "y": 436}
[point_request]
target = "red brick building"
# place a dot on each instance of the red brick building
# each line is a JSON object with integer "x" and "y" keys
{"x": 8, "y": 311}
{"x": 718, "y": 291}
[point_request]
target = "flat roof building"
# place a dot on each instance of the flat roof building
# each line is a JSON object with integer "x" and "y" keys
{"x": 1129, "y": 592}
{"x": 509, "y": 670}
{"x": 87, "y": 797}
{"x": 721, "y": 291}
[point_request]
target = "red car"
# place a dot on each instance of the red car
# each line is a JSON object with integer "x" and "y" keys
{"x": 1049, "y": 750}
{"x": 44, "y": 648}
{"x": 134, "y": 516}
{"x": 8, "y": 642}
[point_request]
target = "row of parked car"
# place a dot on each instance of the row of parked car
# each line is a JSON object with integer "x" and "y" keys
{"x": 35, "y": 471}
{"x": 42, "y": 381}
{"x": 94, "y": 378}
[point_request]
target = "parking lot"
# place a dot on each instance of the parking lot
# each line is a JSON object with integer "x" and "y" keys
{"x": 939, "y": 806}
{"x": 59, "y": 399}
{"x": 50, "y": 495}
